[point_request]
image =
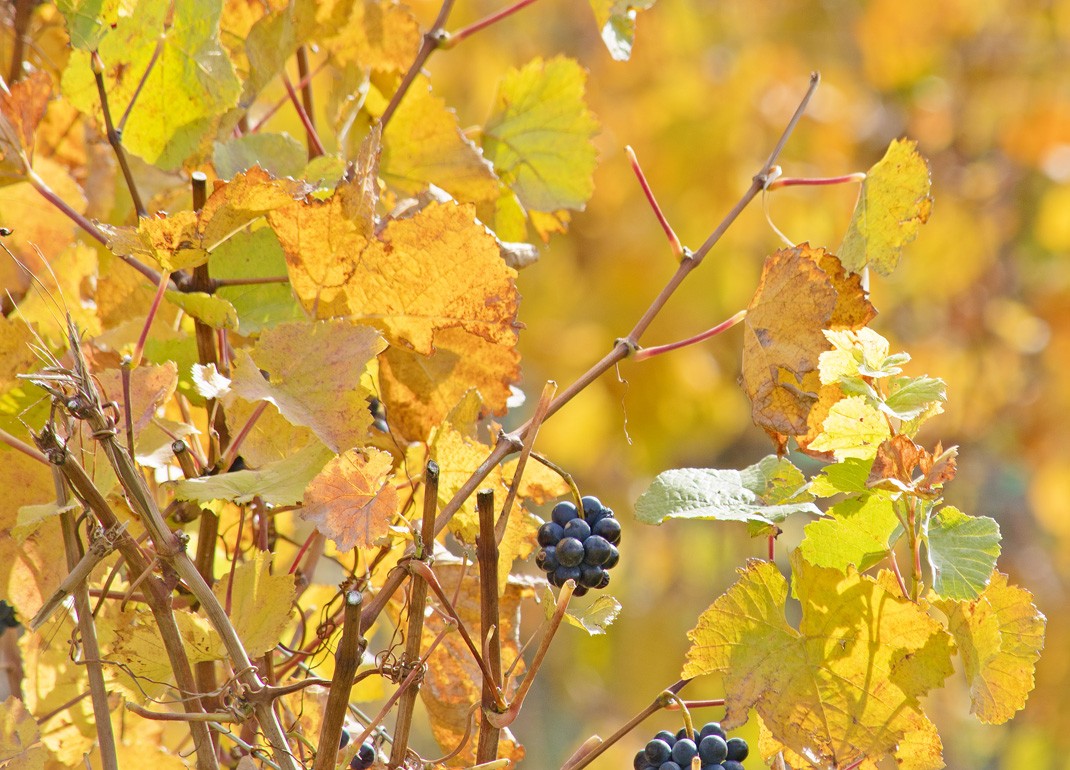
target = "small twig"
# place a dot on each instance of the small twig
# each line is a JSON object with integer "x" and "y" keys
{"x": 235, "y": 444}
{"x": 315, "y": 146}
{"x": 548, "y": 391}
{"x": 659, "y": 703}
{"x": 86, "y": 629}
{"x": 434, "y": 38}
{"x": 486, "y": 21}
{"x": 220, "y": 282}
{"x": 695, "y": 704}
{"x": 22, "y": 446}
{"x": 644, "y": 353}
{"x": 279, "y": 104}
{"x": 802, "y": 181}
{"x": 306, "y": 91}
{"x": 346, "y": 663}
{"x": 128, "y": 416}
{"x": 170, "y": 716}
{"x": 674, "y": 241}
{"x": 490, "y": 623}
{"x": 897, "y": 573}
{"x": 114, "y": 136}
{"x": 139, "y": 348}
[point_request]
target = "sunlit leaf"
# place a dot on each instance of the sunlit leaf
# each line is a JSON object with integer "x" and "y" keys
{"x": 134, "y": 640}
{"x": 910, "y": 397}
{"x": 963, "y": 551}
{"x": 616, "y": 22}
{"x": 20, "y": 741}
{"x": 88, "y": 20}
{"x": 260, "y": 602}
{"x": 766, "y": 493}
{"x": 853, "y": 428}
{"x": 64, "y": 288}
{"x": 801, "y": 292}
{"x": 212, "y": 310}
{"x": 16, "y": 356}
{"x": 352, "y": 500}
{"x": 22, "y": 106}
{"x": 255, "y": 254}
{"x": 855, "y": 533}
{"x": 999, "y": 636}
{"x": 278, "y": 154}
{"x": 848, "y": 477}
{"x": 893, "y": 204}
{"x": 538, "y": 137}
{"x": 281, "y": 482}
{"x": 313, "y": 376}
{"x": 150, "y": 387}
{"x": 181, "y": 89}
{"x": 814, "y": 687}
{"x": 379, "y": 35}
{"x": 595, "y": 618}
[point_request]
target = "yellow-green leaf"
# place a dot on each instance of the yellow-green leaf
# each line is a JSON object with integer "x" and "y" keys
{"x": 1000, "y": 635}
{"x": 616, "y": 23}
{"x": 893, "y": 204}
{"x": 20, "y": 740}
{"x": 853, "y": 428}
{"x": 260, "y": 602}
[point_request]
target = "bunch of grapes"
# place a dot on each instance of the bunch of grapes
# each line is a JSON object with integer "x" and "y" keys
{"x": 579, "y": 547}
{"x": 715, "y": 750}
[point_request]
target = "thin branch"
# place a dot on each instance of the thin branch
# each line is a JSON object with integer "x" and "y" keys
{"x": 548, "y": 391}
{"x": 279, "y": 104}
{"x": 22, "y": 446}
{"x": 804, "y": 181}
{"x": 433, "y": 39}
{"x": 306, "y": 92}
{"x": 645, "y": 353}
{"x": 674, "y": 241}
{"x": 114, "y": 136}
{"x": 346, "y": 663}
{"x": 486, "y": 21}
{"x": 490, "y": 623}
{"x": 220, "y": 282}
{"x": 315, "y": 146}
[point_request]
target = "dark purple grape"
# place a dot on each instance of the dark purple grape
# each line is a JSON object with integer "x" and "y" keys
{"x": 657, "y": 751}
{"x": 563, "y": 513}
{"x": 614, "y": 557}
{"x": 665, "y": 735}
{"x": 713, "y": 728}
{"x": 343, "y": 740}
{"x": 561, "y": 574}
{"x": 580, "y": 590}
{"x": 732, "y": 764}
{"x": 364, "y": 757}
{"x": 590, "y": 575}
{"x": 712, "y": 749}
{"x": 577, "y": 528}
{"x": 608, "y": 528}
{"x": 546, "y": 558}
{"x": 684, "y": 751}
{"x": 640, "y": 761}
{"x": 604, "y": 581}
{"x": 713, "y": 767}
{"x": 596, "y": 550}
{"x": 670, "y": 765}
{"x": 550, "y": 533}
{"x": 569, "y": 552}
{"x": 592, "y": 506}
{"x": 737, "y": 749}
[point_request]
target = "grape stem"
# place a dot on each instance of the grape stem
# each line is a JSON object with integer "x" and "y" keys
{"x": 485, "y": 22}
{"x": 803, "y": 181}
{"x": 674, "y": 241}
{"x": 644, "y": 353}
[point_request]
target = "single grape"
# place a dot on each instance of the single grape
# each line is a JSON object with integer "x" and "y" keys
{"x": 577, "y": 528}
{"x": 569, "y": 552}
{"x": 604, "y": 581}
{"x": 562, "y": 573}
{"x": 657, "y": 751}
{"x": 684, "y": 751}
{"x": 551, "y": 578}
{"x": 580, "y": 590}
{"x": 737, "y": 749}
{"x": 550, "y": 533}
{"x": 592, "y": 506}
{"x": 732, "y": 764}
{"x": 343, "y": 741}
{"x": 590, "y": 575}
{"x": 546, "y": 559}
{"x": 681, "y": 733}
{"x": 364, "y": 757}
{"x": 713, "y": 749}
{"x": 563, "y": 513}
{"x": 640, "y": 761}
{"x": 670, "y": 765}
{"x": 608, "y": 528}
{"x": 614, "y": 557}
{"x": 713, "y": 767}
{"x": 665, "y": 735}
{"x": 713, "y": 728}
{"x": 596, "y": 550}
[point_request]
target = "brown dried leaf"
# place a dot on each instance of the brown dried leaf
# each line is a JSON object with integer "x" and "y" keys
{"x": 352, "y": 501}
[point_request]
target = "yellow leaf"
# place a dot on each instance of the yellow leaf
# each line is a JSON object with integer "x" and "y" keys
{"x": 260, "y": 603}
{"x": 151, "y": 386}
{"x": 1000, "y": 635}
{"x": 801, "y": 291}
{"x": 538, "y": 137}
{"x": 20, "y": 741}
{"x": 817, "y": 688}
{"x": 352, "y": 500}
{"x": 458, "y": 456}
{"x": 16, "y": 357}
{"x": 380, "y": 35}
{"x": 850, "y": 348}
{"x": 29, "y": 571}
{"x": 313, "y": 377}
{"x": 424, "y": 144}
{"x": 893, "y": 204}
{"x": 853, "y": 428}
{"x": 21, "y": 109}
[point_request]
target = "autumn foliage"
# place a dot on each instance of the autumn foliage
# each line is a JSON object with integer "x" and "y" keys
{"x": 270, "y": 479}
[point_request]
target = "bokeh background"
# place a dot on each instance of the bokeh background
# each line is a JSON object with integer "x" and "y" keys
{"x": 981, "y": 299}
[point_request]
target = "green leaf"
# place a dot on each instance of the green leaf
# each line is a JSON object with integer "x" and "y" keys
{"x": 88, "y": 21}
{"x": 278, "y": 154}
{"x": 910, "y": 397}
{"x": 853, "y": 428}
{"x": 596, "y": 617}
{"x": 893, "y": 204}
{"x": 848, "y": 477}
{"x": 616, "y": 22}
{"x": 282, "y": 482}
{"x": 212, "y": 310}
{"x": 255, "y": 254}
{"x": 766, "y": 492}
{"x": 855, "y": 534}
{"x": 539, "y": 136}
{"x": 962, "y": 551}
{"x": 260, "y": 603}
{"x": 182, "y": 90}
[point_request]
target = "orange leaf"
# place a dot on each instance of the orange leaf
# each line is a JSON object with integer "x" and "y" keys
{"x": 352, "y": 500}
{"x": 21, "y": 109}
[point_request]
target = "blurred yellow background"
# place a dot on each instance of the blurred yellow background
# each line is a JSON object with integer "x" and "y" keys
{"x": 981, "y": 299}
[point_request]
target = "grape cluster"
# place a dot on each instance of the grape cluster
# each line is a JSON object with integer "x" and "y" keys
{"x": 579, "y": 548}
{"x": 715, "y": 750}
